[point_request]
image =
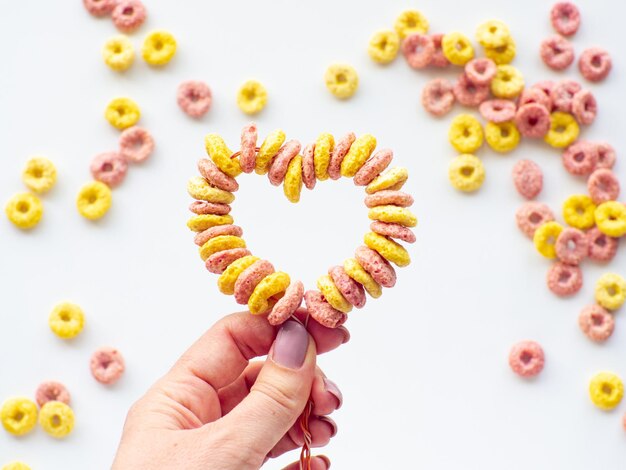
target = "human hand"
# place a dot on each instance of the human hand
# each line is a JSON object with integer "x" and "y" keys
{"x": 216, "y": 410}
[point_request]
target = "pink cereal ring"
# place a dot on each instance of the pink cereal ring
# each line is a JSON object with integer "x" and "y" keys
{"x": 377, "y": 266}
{"x": 202, "y": 237}
{"x": 468, "y": 93}
{"x": 572, "y": 246}
{"x": 601, "y": 247}
{"x": 533, "y": 120}
{"x": 439, "y": 58}
{"x": 557, "y": 52}
{"x": 52, "y": 391}
{"x": 308, "y": 166}
{"x": 107, "y": 365}
{"x": 606, "y": 155}
{"x": 288, "y": 304}
{"x": 596, "y": 322}
{"x": 565, "y": 18}
{"x": 562, "y": 95}
{"x": 528, "y": 178}
{"x": 603, "y": 186}
{"x": 215, "y": 176}
{"x": 438, "y": 97}
{"x": 497, "y": 110}
{"x": 580, "y": 158}
{"x": 218, "y": 262}
{"x": 205, "y": 207}
{"x": 481, "y": 71}
{"x": 373, "y": 167}
{"x": 338, "y": 154}
{"x": 389, "y": 197}
{"x": 418, "y": 50}
{"x": 349, "y": 288}
{"x": 280, "y": 163}
{"x": 595, "y": 64}
{"x": 136, "y": 144}
{"x": 322, "y": 312}
{"x": 545, "y": 85}
{"x": 128, "y": 15}
{"x": 526, "y": 358}
{"x": 109, "y": 168}
{"x": 194, "y": 98}
{"x": 584, "y": 107}
{"x": 393, "y": 231}
{"x": 564, "y": 279}
{"x": 531, "y": 215}
{"x": 535, "y": 95}
{"x": 249, "y": 278}
{"x": 99, "y": 7}
{"x": 247, "y": 159}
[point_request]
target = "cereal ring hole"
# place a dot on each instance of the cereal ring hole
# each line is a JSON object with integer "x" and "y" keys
{"x": 493, "y": 29}
{"x": 467, "y": 171}
{"x": 121, "y": 111}
{"x": 107, "y": 167}
{"x": 55, "y": 421}
{"x": 18, "y": 416}
{"x": 597, "y": 319}
{"x": 504, "y": 131}
{"x": 158, "y": 44}
{"x": 411, "y": 23}
{"x": 600, "y": 241}
{"x": 501, "y": 49}
{"x": 460, "y": 45}
{"x": 37, "y": 173}
{"x": 607, "y": 389}
{"x": 117, "y": 49}
{"x": 23, "y": 207}
{"x": 526, "y": 357}
{"x": 250, "y": 94}
{"x": 564, "y": 277}
{"x": 341, "y": 78}
{"x": 596, "y": 61}
{"x": 128, "y": 11}
{"x": 579, "y": 156}
{"x": 65, "y": 316}
{"x": 92, "y": 198}
{"x": 611, "y": 290}
{"x": 535, "y": 218}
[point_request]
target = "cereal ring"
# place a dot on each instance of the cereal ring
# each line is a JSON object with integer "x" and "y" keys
{"x": 393, "y": 214}
{"x": 52, "y": 391}
{"x": 606, "y": 155}
{"x": 18, "y": 415}
{"x": 118, "y": 53}
{"x": 203, "y": 237}
{"x": 596, "y": 323}
{"x": 533, "y": 120}
{"x": 545, "y": 238}
{"x": 373, "y": 167}
{"x": 389, "y": 197}
{"x": 504, "y": 54}
{"x": 158, "y": 48}
{"x": 580, "y": 158}
{"x": 563, "y": 131}
{"x": 252, "y": 97}
{"x": 354, "y": 269}
{"x": 526, "y": 358}
{"x": 57, "y": 419}
{"x": 557, "y": 52}
{"x": 565, "y": 18}
{"x": 418, "y": 50}
{"x": 465, "y": 133}
{"x": 15, "y": 465}
{"x": 610, "y": 291}
{"x": 466, "y": 173}
{"x": 611, "y": 218}
{"x": 220, "y": 243}
{"x": 502, "y": 136}
{"x": 268, "y": 150}
{"x": 468, "y": 93}
{"x": 393, "y": 178}
{"x": 199, "y": 223}
{"x": 481, "y": 71}
{"x": 293, "y": 180}
{"x": 339, "y": 153}
{"x": 324, "y": 146}
{"x": 351, "y": 290}
{"x": 437, "y": 97}
{"x": 94, "y": 200}
{"x": 584, "y": 107}
{"x": 378, "y": 267}
{"x": 194, "y": 98}
{"x": 250, "y": 278}
{"x": 492, "y": 33}
{"x": 601, "y": 247}
{"x": 572, "y": 246}
{"x": 39, "y": 174}
{"x": 247, "y": 159}
{"x": 322, "y": 312}
{"x": 341, "y": 80}
{"x": 122, "y": 113}
{"x": 278, "y": 167}
{"x": 562, "y": 95}
{"x": 497, "y": 110}
{"x": 332, "y": 294}
{"x": 359, "y": 153}
{"x": 528, "y": 178}
{"x": 508, "y": 82}
{"x": 579, "y": 211}
{"x": 409, "y": 22}
{"x": 388, "y": 249}
{"x": 535, "y": 95}
{"x": 226, "y": 282}
{"x": 595, "y": 64}
{"x": 128, "y": 15}
{"x": 109, "y": 168}
{"x": 383, "y": 46}
{"x": 308, "y": 166}
{"x": 532, "y": 215}
{"x": 66, "y": 320}
{"x": 273, "y": 285}
{"x": 107, "y": 365}
{"x": 606, "y": 390}
{"x": 603, "y": 186}
{"x": 288, "y": 304}
{"x": 457, "y": 48}
{"x": 393, "y": 231}
{"x": 24, "y": 210}
{"x": 199, "y": 188}
{"x": 218, "y": 262}
{"x": 217, "y": 150}
{"x": 439, "y": 58}
{"x": 136, "y": 144}
{"x": 564, "y": 279}
{"x": 99, "y": 7}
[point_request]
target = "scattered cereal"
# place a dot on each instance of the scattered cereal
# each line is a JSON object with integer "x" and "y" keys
{"x": 158, "y": 48}
{"x": 457, "y": 48}
{"x": 533, "y": 120}
{"x": 606, "y": 390}
{"x": 128, "y": 15}
{"x": 252, "y": 97}
{"x": 508, "y": 82}
{"x": 564, "y": 279}
{"x": 580, "y": 158}
{"x": 466, "y": 173}
{"x": 57, "y": 419}
{"x": 545, "y": 238}
{"x": 136, "y": 144}
{"x": 341, "y": 80}
{"x": 603, "y": 186}
{"x": 562, "y": 95}
{"x": 383, "y": 46}
{"x": 526, "y": 358}
{"x": 24, "y": 210}
{"x": 502, "y": 137}
{"x": 52, "y": 391}
{"x": 497, "y": 110}
{"x": 565, "y": 18}
{"x": 595, "y": 64}
{"x": 557, "y": 52}
{"x": 532, "y": 215}
{"x": 118, "y": 53}
{"x": 437, "y": 97}
{"x": 596, "y": 323}
{"x": 466, "y": 133}
{"x": 109, "y": 168}
{"x": 99, "y": 7}
{"x": 493, "y": 33}
{"x": 601, "y": 247}
{"x": 468, "y": 93}
{"x": 94, "y": 200}
{"x": 611, "y": 291}
{"x": 504, "y": 54}
{"x": 409, "y": 22}
{"x": 418, "y": 50}
{"x": 18, "y": 415}
{"x": 572, "y": 246}
{"x": 563, "y": 131}
{"x": 439, "y": 58}
{"x": 39, "y": 174}
{"x": 610, "y": 218}
{"x": 107, "y": 365}
{"x": 122, "y": 113}
{"x": 579, "y": 211}
{"x": 194, "y": 98}
{"x": 481, "y": 71}
{"x": 66, "y": 320}
{"x": 584, "y": 107}
{"x": 528, "y": 178}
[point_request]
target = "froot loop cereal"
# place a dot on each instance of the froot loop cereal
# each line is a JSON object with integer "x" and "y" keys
{"x": 528, "y": 178}
{"x": 526, "y": 358}
{"x": 579, "y": 211}
{"x": 109, "y": 168}
{"x": 136, "y": 144}
{"x": 409, "y": 22}
{"x": 584, "y": 107}
{"x": 580, "y": 158}
{"x": 504, "y": 54}
{"x": 606, "y": 390}
{"x": 15, "y": 465}
{"x": 254, "y": 281}
{"x": 128, "y": 15}
{"x": 194, "y": 98}
{"x": 438, "y": 97}
{"x": 100, "y": 7}
{"x": 498, "y": 110}
{"x": 39, "y": 174}
{"x": 545, "y": 238}
{"x": 610, "y": 218}
{"x": 502, "y": 137}
{"x": 532, "y": 215}
{"x": 595, "y": 64}
{"x": 252, "y": 97}
{"x": 564, "y": 279}
{"x": 66, "y": 320}
{"x": 52, "y": 391}
{"x": 465, "y": 133}
{"x": 563, "y": 131}
{"x": 557, "y": 52}
{"x": 341, "y": 80}
{"x": 481, "y": 71}
{"x": 107, "y": 365}
{"x": 439, "y": 58}
{"x": 18, "y": 415}
{"x": 466, "y": 173}
{"x": 533, "y": 120}
{"x": 596, "y": 323}
{"x": 565, "y": 18}
{"x": 601, "y": 247}
{"x": 24, "y": 210}
{"x": 158, "y": 48}
{"x": 493, "y": 33}
{"x": 457, "y": 48}
{"x": 603, "y": 186}
{"x": 468, "y": 93}
{"x": 611, "y": 291}
{"x": 418, "y": 50}
{"x": 94, "y": 200}
{"x": 508, "y": 82}
{"x": 122, "y": 113}
{"x": 562, "y": 95}
{"x": 572, "y": 246}
{"x": 118, "y": 53}
{"x": 57, "y": 419}
{"x": 384, "y": 46}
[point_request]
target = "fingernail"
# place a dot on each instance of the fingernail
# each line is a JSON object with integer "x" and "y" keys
{"x": 331, "y": 423}
{"x": 325, "y": 459}
{"x": 346, "y": 334}
{"x": 290, "y": 345}
{"x": 331, "y": 387}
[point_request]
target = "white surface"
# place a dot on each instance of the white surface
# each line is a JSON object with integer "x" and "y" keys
{"x": 425, "y": 375}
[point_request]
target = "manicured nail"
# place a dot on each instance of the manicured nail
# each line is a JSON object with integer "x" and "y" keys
{"x": 331, "y": 387}
{"x": 291, "y": 345}
{"x": 325, "y": 459}
{"x": 346, "y": 334}
{"x": 331, "y": 423}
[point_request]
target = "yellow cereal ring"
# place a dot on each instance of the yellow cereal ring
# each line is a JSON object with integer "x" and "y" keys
{"x": 252, "y": 97}
{"x": 57, "y": 419}
{"x": 39, "y": 175}
{"x": 606, "y": 390}
{"x": 457, "y": 48}
{"x": 122, "y": 113}
{"x": 563, "y": 131}
{"x": 292, "y": 185}
{"x": 579, "y": 211}
{"x": 18, "y": 415}
{"x": 504, "y": 54}
{"x": 118, "y": 53}
{"x": 502, "y": 136}
{"x": 199, "y": 223}
{"x": 466, "y": 173}
{"x": 341, "y": 80}
{"x": 158, "y": 48}
{"x": 465, "y": 133}
{"x": 388, "y": 249}
{"x": 94, "y": 200}
{"x": 268, "y": 150}
{"x": 393, "y": 215}
{"x": 199, "y": 188}
{"x": 226, "y": 281}
{"x": 354, "y": 269}
{"x": 610, "y": 218}
{"x": 220, "y": 243}
{"x": 15, "y": 465}
{"x": 545, "y": 238}
{"x": 508, "y": 82}
{"x": 66, "y": 320}
{"x": 217, "y": 150}
{"x": 331, "y": 293}
{"x": 324, "y": 146}
{"x": 394, "y": 178}
{"x": 24, "y": 210}
{"x": 611, "y": 291}
{"x": 493, "y": 33}
{"x": 359, "y": 152}
{"x": 383, "y": 46}
{"x": 270, "y": 286}
{"x": 410, "y": 22}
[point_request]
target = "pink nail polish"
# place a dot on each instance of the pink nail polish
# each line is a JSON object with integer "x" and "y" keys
{"x": 331, "y": 387}
{"x": 331, "y": 423}
{"x": 291, "y": 345}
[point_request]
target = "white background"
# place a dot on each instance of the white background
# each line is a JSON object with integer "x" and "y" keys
{"x": 425, "y": 376}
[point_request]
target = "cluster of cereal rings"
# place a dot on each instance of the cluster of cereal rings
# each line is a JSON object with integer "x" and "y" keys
{"x": 252, "y": 280}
